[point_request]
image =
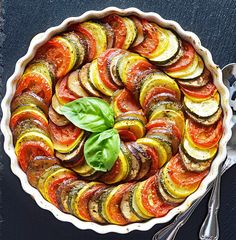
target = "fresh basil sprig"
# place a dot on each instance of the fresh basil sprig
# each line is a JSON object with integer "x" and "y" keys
{"x": 101, "y": 149}
{"x": 95, "y": 115}
{"x": 89, "y": 113}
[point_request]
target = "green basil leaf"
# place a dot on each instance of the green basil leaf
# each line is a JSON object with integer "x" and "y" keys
{"x": 89, "y": 113}
{"x": 101, "y": 150}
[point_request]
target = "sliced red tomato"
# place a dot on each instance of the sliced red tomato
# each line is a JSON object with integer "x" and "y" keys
{"x": 63, "y": 134}
{"x": 204, "y": 136}
{"x": 119, "y": 28}
{"x": 155, "y": 161}
{"x": 52, "y": 189}
{"x": 64, "y": 95}
{"x": 103, "y": 61}
{"x": 203, "y": 92}
{"x": 31, "y": 149}
{"x": 164, "y": 122}
{"x": 90, "y": 40}
{"x": 126, "y": 101}
{"x": 56, "y": 52}
{"x": 151, "y": 40}
{"x": 155, "y": 91}
{"x": 113, "y": 173}
{"x": 84, "y": 200}
{"x": 151, "y": 200}
{"x": 113, "y": 206}
{"x": 135, "y": 70}
{"x": 185, "y": 60}
{"x": 17, "y": 118}
{"x": 181, "y": 176}
{"x": 37, "y": 84}
{"x": 127, "y": 135}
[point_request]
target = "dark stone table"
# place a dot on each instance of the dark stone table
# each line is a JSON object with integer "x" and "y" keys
{"x": 212, "y": 20}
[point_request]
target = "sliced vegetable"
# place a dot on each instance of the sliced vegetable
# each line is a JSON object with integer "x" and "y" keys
{"x": 206, "y": 121}
{"x": 56, "y": 118}
{"x": 65, "y": 134}
{"x": 204, "y": 136}
{"x": 37, "y": 166}
{"x": 139, "y": 27}
{"x": 75, "y": 86}
{"x": 81, "y": 202}
{"x": 56, "y": 105}
{"x": 119, "y": 27}
{"x": 157, "y": 79}
{"x": 157, "y": 145}
{"x": 32, "y": 144}
{"x": 205, "y": 108}
{"x": 192, "y": 165}
{"x": 112, "y": 204}
{"x": 64, "y": 95}
{"x": 36, "y": 82}
{"x": 94, "y": 78}
{"x": 103, "y": 62}
{"x": 84, "y": 78}
{"x": 75, "y": 157}
{"x": 29, "y": 98}
{"x": 185, "y": 60}
{"x": 151, "y": 200}
{"x": 61, "y": 52}
{"x": 201, "y": 93}
{"x": 200, "y": 81}
{"x": 151, "y": 41}
{"x": 118, "y": 172}
{"x": 98, "y": 32}
{"x": 167, "y": 48}
{"x": 198, "y": 154}
{"x": 123, "y": 101}
{"x": 27, "y": 112}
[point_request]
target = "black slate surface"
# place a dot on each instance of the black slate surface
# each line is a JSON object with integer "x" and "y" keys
{"x": 212, "y": 20}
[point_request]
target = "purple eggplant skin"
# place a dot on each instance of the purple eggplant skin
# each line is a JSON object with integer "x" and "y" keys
{"x": 29, "y": 98}
{"x": 73, "y": 158}
{"x": 140, "y": 152}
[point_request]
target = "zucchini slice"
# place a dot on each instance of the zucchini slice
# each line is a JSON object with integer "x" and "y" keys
{"x": 168, "y": 47}
{"x": 166, "y": 196}
{"x": 157, "y": 79}
{"x": 192, "y": 165}
{"x": 80, "y": 50}
{"x": 124, "y": 64}
{"x": 84, "y": 170}
{"x": 56, "y": 105}
{"x": 206, "y": 121}
{"x": 126, "y": 207}
{"x": 94, "y": 206}
{"x": 200, "y": 81}
{"x": 158, "y": 146}
{"x": 84, "y": 79}
{"x": 205, "y": 108}
{"x": 131, "y": 32}
{"x": 198, "y": 154}
{"x": 177, "y": 191}
{"x": 135, "y": 163}
{"x": 94, "y": 78}
{"x": 99, "y": 33}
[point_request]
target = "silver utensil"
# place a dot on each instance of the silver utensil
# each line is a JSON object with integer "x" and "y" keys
{"x": 170, "y": 231}
{"x": 210, "y": 227}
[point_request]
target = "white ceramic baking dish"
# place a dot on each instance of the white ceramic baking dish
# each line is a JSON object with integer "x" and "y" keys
{"x": 38, "y": 41}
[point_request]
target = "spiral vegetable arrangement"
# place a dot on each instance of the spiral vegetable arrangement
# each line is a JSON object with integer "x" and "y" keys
{"x": 117, "y": 120}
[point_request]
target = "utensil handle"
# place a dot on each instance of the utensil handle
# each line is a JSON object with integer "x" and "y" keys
{"x": 210, "y": 227}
